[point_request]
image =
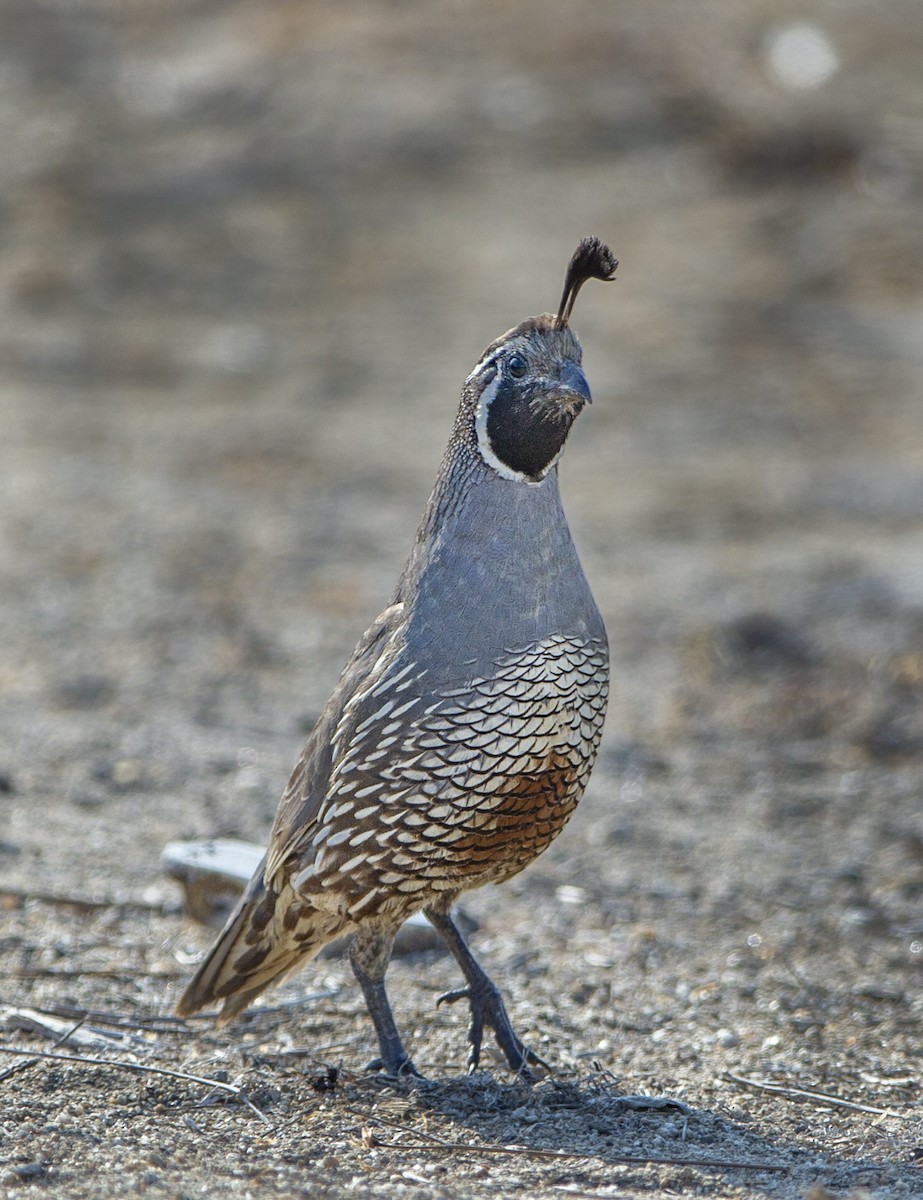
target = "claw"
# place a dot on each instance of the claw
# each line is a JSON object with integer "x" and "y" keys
{"x": 475, "y": 1029}
{"x": 401, "y": 1069}
{"x": 531, "y": 1059}
{"x": 450, "y": 997}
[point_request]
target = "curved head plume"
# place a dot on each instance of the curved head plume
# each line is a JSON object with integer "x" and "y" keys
{"x": 591, "y": 260}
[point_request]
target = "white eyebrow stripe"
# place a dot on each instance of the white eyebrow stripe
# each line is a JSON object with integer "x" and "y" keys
{"x": 520, "y": 343}
{"x": 484, "y": 363}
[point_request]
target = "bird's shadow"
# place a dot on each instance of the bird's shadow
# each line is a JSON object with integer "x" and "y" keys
{"x": 592, "y": 1135}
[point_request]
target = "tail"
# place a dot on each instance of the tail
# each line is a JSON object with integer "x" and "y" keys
{"x": 268, "y": 936}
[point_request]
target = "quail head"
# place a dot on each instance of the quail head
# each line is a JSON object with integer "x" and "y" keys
{"x": 464, "y": 727}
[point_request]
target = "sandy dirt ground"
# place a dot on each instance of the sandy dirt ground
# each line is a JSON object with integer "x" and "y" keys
{"x": 248, "y": 254}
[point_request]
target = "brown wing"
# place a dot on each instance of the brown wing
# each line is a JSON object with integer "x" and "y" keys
{"x": 306, "y": 794}
{"x": 270, "y": 934}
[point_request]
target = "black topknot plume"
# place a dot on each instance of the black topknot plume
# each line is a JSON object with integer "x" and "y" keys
{"x": 591, "y": 260}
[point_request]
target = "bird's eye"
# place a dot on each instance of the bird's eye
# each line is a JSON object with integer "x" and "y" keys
{"x": 517, "y": 366}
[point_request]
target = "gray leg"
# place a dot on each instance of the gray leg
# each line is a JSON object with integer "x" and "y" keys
{"x": 368, "y": 956}
{"x": 487, "y": 1006}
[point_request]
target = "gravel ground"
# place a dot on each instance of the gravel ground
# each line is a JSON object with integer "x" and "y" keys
{"x": 248, "y": 253}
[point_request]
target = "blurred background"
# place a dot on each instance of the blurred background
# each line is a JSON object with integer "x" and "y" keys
{"x": 250, "y": 251}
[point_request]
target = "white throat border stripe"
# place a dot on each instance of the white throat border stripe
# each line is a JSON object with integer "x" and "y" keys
{"x": 483, "y": 439}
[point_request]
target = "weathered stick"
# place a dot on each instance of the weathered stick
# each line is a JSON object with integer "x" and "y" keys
{"x": 142, "y": 1069}
{"x": 794, "y": 1093}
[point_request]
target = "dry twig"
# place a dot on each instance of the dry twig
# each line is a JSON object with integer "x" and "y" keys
{"x": 138, "y": 1024}
{"x": 794, "y": 1093}
{"x": 142, "y": 1069}
{"x": 90, "y": 973}
{"x": 17, "y": 1067}
{"x": 80, "y": 903}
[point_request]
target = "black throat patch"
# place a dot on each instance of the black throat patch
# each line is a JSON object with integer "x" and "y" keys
{"x": 523, "y": 438}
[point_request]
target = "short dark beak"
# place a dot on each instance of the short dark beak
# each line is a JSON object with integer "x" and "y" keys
{"x": 573, "y": 385}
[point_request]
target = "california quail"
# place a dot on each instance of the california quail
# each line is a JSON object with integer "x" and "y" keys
{"x": 463, "y": 730}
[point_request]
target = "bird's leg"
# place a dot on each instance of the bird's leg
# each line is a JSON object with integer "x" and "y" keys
{"x": 369, "y": 954}
{"x": 487, "y": 1007}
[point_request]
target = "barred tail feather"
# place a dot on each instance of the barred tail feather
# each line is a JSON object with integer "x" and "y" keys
{"x": 257, "y": 948}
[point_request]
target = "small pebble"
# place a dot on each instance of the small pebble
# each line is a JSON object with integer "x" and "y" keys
{"x": 33, "y": 1170}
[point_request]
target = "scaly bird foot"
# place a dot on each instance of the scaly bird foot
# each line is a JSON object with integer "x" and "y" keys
{"x": 487, "y": 1008}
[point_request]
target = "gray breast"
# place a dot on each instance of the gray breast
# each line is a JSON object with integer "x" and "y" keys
{"x": 500, "y": 571}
